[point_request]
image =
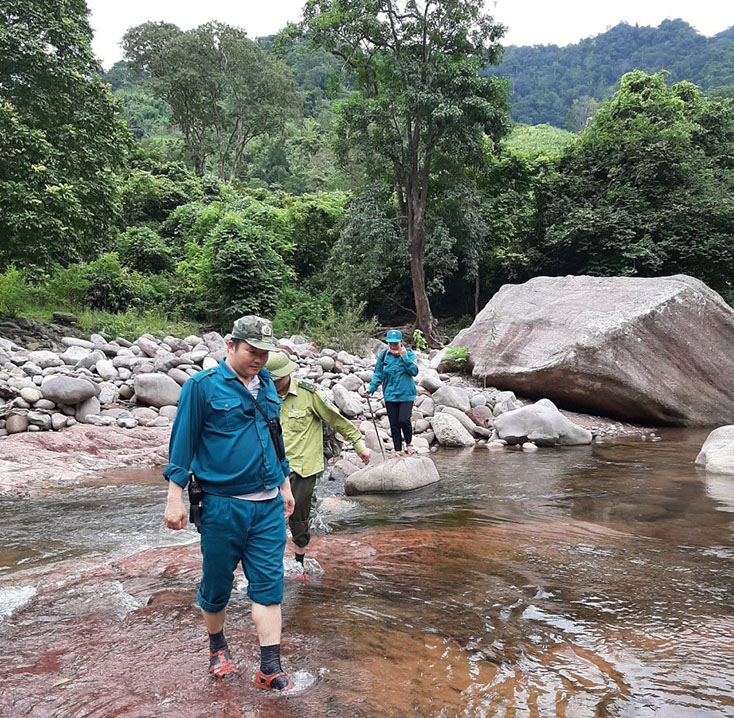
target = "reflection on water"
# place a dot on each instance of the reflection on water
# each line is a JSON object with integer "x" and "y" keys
{"x": 592, "y": 581}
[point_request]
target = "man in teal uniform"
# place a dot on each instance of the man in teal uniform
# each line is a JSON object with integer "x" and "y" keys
{"x": 222, "y": 436}
{"x": 301, "y": 413}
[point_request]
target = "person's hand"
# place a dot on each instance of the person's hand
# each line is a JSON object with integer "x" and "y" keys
{"x": 288, "y": 501}
{"x": 365, "y": 456}
{"x": 403, "y": 350}
{"x": 175, "y": 514}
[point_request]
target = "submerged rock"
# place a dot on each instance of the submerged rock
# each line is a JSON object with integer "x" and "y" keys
{"x": 717, "y": 452}
{"x": 542, "y": 424}
{"x": 398, "y": 474}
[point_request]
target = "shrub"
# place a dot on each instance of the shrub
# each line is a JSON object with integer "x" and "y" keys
{"x": 13, "y": 292}
{"x": 300, "y": 311}
{"x": 455, "y": 359}
{"x": 346, "y": 329}
{"x": 142, "y": 249}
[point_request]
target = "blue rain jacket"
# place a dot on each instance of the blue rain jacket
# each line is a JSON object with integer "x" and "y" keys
{"x": 395, "y": 373}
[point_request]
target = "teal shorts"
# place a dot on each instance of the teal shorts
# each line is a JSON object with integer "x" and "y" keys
{"x": 234, "y": 531}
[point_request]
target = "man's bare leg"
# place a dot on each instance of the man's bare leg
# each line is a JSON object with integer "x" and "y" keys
{"x": 268, "y": 624}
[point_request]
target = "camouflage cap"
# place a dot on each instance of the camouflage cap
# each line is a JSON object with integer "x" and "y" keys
{"x": 257, "y": 332}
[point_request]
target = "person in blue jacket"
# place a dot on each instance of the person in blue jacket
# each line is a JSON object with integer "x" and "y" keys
{"x": 222, "y": 436}
{"x": 395, "y": 369}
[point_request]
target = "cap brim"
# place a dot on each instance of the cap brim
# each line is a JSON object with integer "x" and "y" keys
{"x": 285, "y": 371}
{"x": 266, "y": 346}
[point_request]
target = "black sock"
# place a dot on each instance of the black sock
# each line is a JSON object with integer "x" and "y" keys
{"x": 270, "y": 659}
{"x": 300, "y": 557}
{"x": 217, "y": 641}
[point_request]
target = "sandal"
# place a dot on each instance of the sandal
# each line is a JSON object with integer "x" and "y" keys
{"x": 221, "y": 665}
{"x": 409, "y": 450}
{"x": 266, "y": 682}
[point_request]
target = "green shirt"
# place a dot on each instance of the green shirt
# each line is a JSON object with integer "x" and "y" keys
{"x": 301, "y": 413}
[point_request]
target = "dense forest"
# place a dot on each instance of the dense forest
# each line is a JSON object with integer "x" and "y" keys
{"x": 353, "y": 166}
{"x": 563, "y": 86}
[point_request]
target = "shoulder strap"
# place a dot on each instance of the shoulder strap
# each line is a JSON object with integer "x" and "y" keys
{"x": 307, "y": 386}
{"x": 381, "y": 358}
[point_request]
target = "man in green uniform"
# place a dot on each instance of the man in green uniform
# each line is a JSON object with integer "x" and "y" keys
{"x": 301, "y": 412}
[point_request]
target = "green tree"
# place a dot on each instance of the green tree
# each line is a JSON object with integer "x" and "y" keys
{"x": 61, "y": 137}
{"x": 418, "y": 95}
{"x": 648, "y": 190}
{"x": 223, "y": 89}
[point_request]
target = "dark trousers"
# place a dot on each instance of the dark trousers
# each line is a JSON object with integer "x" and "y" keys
{"x": 303, "y": 489}
{"x": 399, "y": 414}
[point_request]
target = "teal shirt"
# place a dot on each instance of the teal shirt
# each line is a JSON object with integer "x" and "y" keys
{"x": 221, "y": 436}
{"x": 395, "y": 373}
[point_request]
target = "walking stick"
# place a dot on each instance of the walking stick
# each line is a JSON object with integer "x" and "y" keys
{"x": 377, "y": 433}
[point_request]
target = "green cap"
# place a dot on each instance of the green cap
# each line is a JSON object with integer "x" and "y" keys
{"x": 257, "y": 332}
{"x": 279, "y": 365}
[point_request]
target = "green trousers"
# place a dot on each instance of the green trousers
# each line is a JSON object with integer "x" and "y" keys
{"x": 304, "y": 492}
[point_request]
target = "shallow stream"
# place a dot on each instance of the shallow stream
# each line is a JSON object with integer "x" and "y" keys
{"x": 594, "y": 581}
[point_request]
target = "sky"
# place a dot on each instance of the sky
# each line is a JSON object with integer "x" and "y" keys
{"x": 529, "y": 22}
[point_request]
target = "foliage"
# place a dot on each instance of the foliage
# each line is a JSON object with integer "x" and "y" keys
{"x": 648, "y": 191}
{"x": 13, "y": 292}
{"x": 345, "y": 328}
{"x": 222, "y": 88}
{"x": 455, "y": 358}
{"x": 132, "y": 323}
{"x": 538, "y": 140}
{"x": 61, "y": 138}
{"x": 418, "y": 94}
{"x": 140, "y": 248}
{"x": 301, "y": 310}
{"x": 554, "y": 84}
{"x": 419, "y": 340}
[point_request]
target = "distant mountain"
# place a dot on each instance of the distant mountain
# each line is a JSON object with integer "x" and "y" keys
{"x": 562, "y": 86}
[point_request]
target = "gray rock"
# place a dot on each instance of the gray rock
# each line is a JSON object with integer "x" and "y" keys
{"x": 74, "y": 354}
{"x": 147, "y": 346}
{"x": 106, "y": 370}
{"x": 326, "y": 363}
{"x": 342, "y": 469}
{"x": 40, "y": 419}
{"x": 169, "y": 412}
{"x": 453, "y": 396}
{"x": 88, "y": 408}
{"x": 717, "y": 452}
{"x": 397, "y": 474}
{"x": 75, "y": 342}
{"x": 214, "y": 342}
{"x": 449, "y": 431}
{"x": 156, "y": 390}
{"x": 90, "y": 360}
{"x": 348, "y": 402}
{"x": 30, "y": 395}
{"x": 430, "y": 380}
{"x": 126, "y": 392}
{"x": 179, "y": 376}
{"x": 44, "y": 404}
{"x": 68, "y": 389}
{"x": 505, "y": 401}
{"x": 542, "y": 424}
{"x": 144, "y": 415}
{"x": 351, "y": 382}
{"x": 478, "y": 400}
{"x": 31, "y": 369}
{"x": 58, "y": 422}
{"x": 108, "y": 393}
{"x": 127, "y": 422}
{"x": 16, "y": 423}
{"x": 603, "y": 344}
{"x": 465, "y": 421}
{"x": 45, "y": 359}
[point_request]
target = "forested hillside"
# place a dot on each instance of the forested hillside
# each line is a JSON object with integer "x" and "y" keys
{"x": 305, "y": 178}
{"x": 563, "y": 86}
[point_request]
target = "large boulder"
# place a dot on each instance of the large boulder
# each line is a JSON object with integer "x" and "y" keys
{"x": 68, "y": 390}
{"x": 657, "y": 351}
{"x": 542, "y": 424}
{"x": 400, "y": 474}
{"x": 156, "y": 390}
{"x": 717, "y": 452}
{"x": 349, "y": 402}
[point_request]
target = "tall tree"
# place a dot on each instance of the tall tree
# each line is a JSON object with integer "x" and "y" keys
{"x": 61, "y": 137}
{"x": 223, "y": 89}
{"x": 418, "y": 94}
